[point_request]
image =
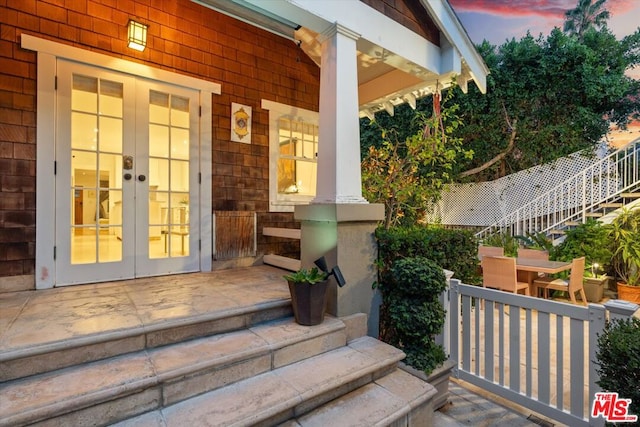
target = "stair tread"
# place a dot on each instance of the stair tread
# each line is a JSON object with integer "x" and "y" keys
{"x": 281, "y": 390}
{"x": 378, "y": 403}
{"x": 47, "y": 395}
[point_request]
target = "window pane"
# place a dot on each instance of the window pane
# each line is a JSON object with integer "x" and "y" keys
{"x": 180, "y": 143}
{"x": 158, "y": 141}
{"x": 179, "y": 111}
{"x": 159, "y": 174}
{"x": 287, "y": 176}
{"x": 158, "y": 107}
{"x": 179, "y": 175}
{"x": 306, "y": 178}
{"x": 84, "y": 129}
{"x": 296, "y": 165}
{"x": 110, "y": 135}
{"x": 85, "y": 94}
{"x": 111, "y": 98}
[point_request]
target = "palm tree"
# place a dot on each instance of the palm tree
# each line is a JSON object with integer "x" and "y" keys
{"x": 587, "y": 14}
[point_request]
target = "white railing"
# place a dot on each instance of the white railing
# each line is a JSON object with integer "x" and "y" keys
{"x": 576, "y": 197}
{"x": 537, "y": 353}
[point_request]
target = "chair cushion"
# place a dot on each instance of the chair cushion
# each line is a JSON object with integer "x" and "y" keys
{"x": 544, "y": 281}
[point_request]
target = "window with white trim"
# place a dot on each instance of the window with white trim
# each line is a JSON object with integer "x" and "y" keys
{"x": 293, "y": 155}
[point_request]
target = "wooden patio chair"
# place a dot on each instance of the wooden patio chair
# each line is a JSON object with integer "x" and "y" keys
{"x": 484, "y": 251}
{"x": 533, "y": 253}
{"x": 500, "y": 273}
{"x": 525, "y": 276}
{"x": 489, "y": 251}
{"x": 573, "y": 285}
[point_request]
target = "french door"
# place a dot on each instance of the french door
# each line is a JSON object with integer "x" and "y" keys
{"x": 127, "y": 191}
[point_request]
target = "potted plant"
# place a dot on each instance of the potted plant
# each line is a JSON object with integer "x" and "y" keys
{"x": 308, "y": 289}
{"x": 625, "y": 233}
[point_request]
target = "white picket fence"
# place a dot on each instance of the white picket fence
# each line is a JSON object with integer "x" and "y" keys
{"x": 534, "y": 352}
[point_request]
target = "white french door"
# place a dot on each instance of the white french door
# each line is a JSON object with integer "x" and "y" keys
{"x": 127, "y": 190}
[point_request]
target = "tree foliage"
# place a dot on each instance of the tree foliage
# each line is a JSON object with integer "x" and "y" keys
{"x": 407, "y": 171}
{"x": 547, "y": 97}
{"x": 563, "y": 92}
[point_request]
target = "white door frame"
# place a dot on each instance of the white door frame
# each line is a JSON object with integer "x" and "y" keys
{"x": 48, "y": 53}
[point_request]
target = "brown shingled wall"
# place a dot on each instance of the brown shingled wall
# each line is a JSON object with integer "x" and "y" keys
{"x": 249, "y": 63}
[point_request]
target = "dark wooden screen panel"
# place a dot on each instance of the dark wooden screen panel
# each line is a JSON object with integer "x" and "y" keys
{"x": 234, "y": 234}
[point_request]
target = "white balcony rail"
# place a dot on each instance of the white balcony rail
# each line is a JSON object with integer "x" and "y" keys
{"x": 575, "y": 198}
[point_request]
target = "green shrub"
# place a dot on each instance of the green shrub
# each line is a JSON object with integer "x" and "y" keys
{"x": 455, "y": 250}
{"x": 415, "y": 313}
{"x": 503, "y": 240}
{"x": 591, "y": 240}
{"x": 618, "y": 358}
{"x": 410, "y": 279}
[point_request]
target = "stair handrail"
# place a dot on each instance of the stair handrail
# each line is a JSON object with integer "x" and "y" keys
{"x": 545, "y": 212}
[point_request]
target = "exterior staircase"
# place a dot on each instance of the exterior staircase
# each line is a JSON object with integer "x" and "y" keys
{"x": 608, "y": 184}
{"x": 239, "y": 365}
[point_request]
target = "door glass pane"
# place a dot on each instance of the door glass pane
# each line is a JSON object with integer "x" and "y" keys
{"x": 84, "y": 131}
{"x": 180, "y": 143}
{"x": 179, "y": 175}
{"x": 110, "y": 135}
{"x": 159, "y": 140}
{"x": 158, "y": 174}
{"x": 168, "y": 175}
{"x": 96, "y": 170}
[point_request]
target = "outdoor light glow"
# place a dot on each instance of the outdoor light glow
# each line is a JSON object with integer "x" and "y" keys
{"x": 594, "y": 269}
{"x": 137, "y": 36}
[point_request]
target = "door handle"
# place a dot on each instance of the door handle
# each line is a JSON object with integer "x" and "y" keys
{"x": 141, "y": 178}
{"x": 127, "y": 176}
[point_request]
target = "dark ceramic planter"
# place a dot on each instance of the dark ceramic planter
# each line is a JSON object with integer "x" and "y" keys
{"x": 309, "y": 302}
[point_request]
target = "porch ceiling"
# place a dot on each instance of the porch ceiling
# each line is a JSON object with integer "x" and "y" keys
{"x": 385, "y": 78}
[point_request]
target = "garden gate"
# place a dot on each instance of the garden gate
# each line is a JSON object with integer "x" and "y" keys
{"x": 537, "y": 353}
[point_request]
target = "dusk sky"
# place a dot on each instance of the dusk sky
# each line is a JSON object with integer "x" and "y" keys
{"x": 499, "y": 20}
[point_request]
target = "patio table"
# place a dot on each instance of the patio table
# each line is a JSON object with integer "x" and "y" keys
{"x": 534, "y": 266}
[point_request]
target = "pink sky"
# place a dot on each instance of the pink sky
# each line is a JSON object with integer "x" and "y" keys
{"x": 499, "y": 20}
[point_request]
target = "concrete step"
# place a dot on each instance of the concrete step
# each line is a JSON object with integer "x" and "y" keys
{"x": 110, "y": 390}
{"x": 395, "y": 399}
{"x": 280, "y": 261}
{"x": 38, "y": 358}
{"x": 364, "y": 373}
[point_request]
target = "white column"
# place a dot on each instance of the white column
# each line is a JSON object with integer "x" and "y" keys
{"x": 339, "y": 177}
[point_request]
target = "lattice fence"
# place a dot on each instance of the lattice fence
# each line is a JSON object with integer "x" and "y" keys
{"x": 484, "y": 203}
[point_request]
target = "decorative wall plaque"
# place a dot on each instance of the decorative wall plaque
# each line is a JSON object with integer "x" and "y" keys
{"x": 240, "y": 123}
